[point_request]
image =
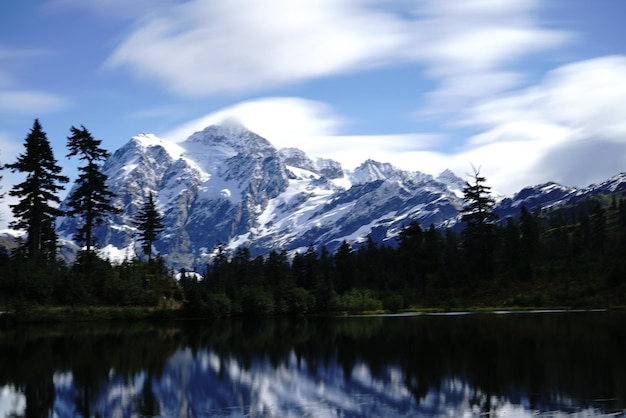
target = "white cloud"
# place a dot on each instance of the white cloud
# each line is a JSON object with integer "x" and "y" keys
{"x": 285, "y": 121}
{"x": 569, "y": 128}
{"x": 409, "y": 151}
{"x": 203, "y": 47}
{"x": 314, "y": 128}
{"x": 587, "y": 95}
{"x": 471, "y": 46}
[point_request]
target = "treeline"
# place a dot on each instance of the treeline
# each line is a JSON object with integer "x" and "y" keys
{"x": 32, "y": 272}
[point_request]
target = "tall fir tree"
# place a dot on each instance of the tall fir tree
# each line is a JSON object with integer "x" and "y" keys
{"x": 479, "y": 233}
{"x": 91, "y": 198}
{"x": 149, "y": 223}
{"x": 37, "y": 194}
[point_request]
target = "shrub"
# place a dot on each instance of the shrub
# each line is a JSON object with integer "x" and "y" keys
{"x": 218, "y": 305}
{"x": 299, "y": 301}
{"x": 256, "y": 301}
{"x": 359, "y": 300}
{"x": 393, "y": 302}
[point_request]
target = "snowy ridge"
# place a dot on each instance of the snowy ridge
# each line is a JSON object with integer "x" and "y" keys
{"x": 228, "y": 186}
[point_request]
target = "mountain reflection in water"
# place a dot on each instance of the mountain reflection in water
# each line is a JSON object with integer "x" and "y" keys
{"x": 517, "y": 365}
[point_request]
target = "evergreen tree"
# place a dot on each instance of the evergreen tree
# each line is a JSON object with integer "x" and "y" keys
{"x": 306, "y": 268}
{"x": 598, "y": 228}
{"x": 511, "y": 254}
{"x": 432, "y": 250}
{"x": 530, "y": 234}
{"x": 91, "y": 197}
{"x": 452, "y": 261}
{"x": 37, "y": 194}
{"x": 411, "y": 250}
{"x": 479, "y": 232}
{"x": 149, "y": 223}
{"x": 277, "y": 273}
{"x": 345, "y": 268}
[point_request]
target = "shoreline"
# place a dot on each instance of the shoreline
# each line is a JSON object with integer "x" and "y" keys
{"x": 43, "y": 314}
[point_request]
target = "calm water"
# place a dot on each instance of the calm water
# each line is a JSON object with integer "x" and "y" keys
{"x": 505, "y": 365}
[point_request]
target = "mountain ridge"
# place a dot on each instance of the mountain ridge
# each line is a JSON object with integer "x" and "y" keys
{"x": 227, "y": 186}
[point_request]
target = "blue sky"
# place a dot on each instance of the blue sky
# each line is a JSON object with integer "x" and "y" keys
{"x": 528, "y": 90}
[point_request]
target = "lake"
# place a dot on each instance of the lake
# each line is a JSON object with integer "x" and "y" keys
{"x": 533, "y": 364}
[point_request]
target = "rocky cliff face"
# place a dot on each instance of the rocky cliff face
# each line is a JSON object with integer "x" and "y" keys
{"x": 209, "y": 188}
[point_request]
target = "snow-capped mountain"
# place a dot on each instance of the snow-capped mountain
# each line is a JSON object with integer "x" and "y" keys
{"x": 550, "y": 195}
{"x": 228, "y": 186}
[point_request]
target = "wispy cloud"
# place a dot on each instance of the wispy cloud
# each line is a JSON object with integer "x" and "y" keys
{"x": 30, "y": 102}
{"x": 16, "y": 100}
{"x": 315, "y": 128}
{"x": 587, "y": 95}
{"x": 10, "y": 54}
{"x": 285, "y": 121}
{"x": 203, "y": 47}
{"x": 569, "y": 127}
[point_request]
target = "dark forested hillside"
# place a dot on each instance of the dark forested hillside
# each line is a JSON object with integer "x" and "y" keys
{"x": 569, "y": 257}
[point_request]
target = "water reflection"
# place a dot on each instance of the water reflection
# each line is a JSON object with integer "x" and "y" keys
{"x": 449, "y": 366}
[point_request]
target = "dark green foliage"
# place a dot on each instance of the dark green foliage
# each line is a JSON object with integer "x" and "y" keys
{"x": 91, "y": 197}
{"x": 298, "y": 301}
{"x": 149, "y": 223}
{"x": 256, "y": 301}
{"x": 393, "y": 302}
{"x": 38, "y": 194}
{"x": 345, "y": 268}
{"x": 359, "y": 300}
{"x": 411, "y": 250}
{"x": 200, "y": 302}
{"x": 479, "y": 233}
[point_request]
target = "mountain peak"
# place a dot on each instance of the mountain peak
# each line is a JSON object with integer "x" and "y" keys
{"x": 454, "y": 182}
{"x": 147, "y": 140}
{"x": 233, "y": 134}
{"x": 232, "y": 125}
{"x": 372, "y": 170}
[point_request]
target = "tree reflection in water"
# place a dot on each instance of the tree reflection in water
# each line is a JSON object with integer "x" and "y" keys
{"x": 425, "y": 366}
